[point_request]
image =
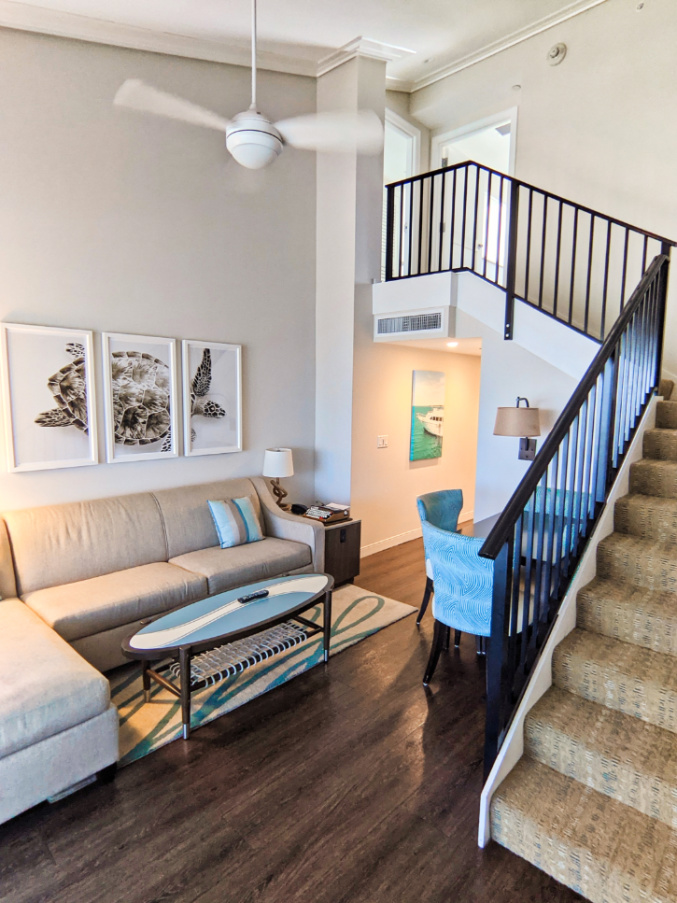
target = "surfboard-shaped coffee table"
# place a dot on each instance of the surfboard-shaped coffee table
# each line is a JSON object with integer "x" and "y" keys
{"x": 215, "y": 638}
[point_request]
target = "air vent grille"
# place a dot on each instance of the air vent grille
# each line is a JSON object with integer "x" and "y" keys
{"x": 409, "y": 323}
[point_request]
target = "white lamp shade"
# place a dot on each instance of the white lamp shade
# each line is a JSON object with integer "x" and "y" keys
{"x": 519, "y": 422}
{"x": 278, "y": 462}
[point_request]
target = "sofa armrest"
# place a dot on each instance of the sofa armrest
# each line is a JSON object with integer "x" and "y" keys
{"x": 283, "y": 525}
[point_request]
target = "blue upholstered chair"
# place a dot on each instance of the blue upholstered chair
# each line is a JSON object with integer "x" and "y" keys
{"x": 463, "y": 586}
{"x": 441, "y": 509}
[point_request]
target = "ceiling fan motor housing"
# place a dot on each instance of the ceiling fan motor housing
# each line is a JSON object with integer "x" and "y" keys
{"x": 253, "y": 140}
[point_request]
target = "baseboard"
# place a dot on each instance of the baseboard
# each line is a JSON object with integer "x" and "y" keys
{"x": 373, "y": 547}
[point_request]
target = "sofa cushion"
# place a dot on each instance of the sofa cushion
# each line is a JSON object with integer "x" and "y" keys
{"x": 187, "y": 521}
{"x": 81, "y": 609}
{"x": 65, "y": 543}
{"x": 228, "y": 568}
{"x": 45, "y": 686}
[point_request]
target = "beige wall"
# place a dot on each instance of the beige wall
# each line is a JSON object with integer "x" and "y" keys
{"x": 385, "y": 482}
{"x": 114, "y": 221}
{"x": 600, "y": 128}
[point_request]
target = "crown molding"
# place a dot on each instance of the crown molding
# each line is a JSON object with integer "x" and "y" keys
{"x": 517, "y": 37}
{"x": 366, "y": 47}
{"x": 26, "y": 17}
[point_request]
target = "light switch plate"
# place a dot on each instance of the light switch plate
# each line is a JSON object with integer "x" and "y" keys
{"x": 381, "y": 442}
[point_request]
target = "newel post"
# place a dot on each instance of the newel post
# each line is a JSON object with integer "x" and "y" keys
{"x": 497, "y": 649}
{"x": 390, "y": 229}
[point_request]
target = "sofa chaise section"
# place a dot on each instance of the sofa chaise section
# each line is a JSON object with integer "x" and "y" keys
{"x": 57, "y": 724}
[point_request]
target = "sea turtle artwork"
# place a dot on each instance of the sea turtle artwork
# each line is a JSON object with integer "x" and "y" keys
{"x": 69, "y": 388}
{"x": 141, "y": 390}
{"x": 199, "y": 390}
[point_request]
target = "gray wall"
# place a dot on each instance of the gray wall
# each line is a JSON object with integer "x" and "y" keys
{"x": 126, "y": 223}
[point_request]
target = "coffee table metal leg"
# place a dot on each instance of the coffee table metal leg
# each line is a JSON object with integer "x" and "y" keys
{"x": 184, "y": 666}
{"x": 327, "y": 624}
{"x": 145, "y": 665}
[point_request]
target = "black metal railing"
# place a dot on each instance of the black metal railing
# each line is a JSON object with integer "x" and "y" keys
{"x": 571, "y": 262}
{"x": 542, "y": 533}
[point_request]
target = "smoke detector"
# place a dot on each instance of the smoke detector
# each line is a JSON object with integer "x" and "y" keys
{"x": 556, "y": 54}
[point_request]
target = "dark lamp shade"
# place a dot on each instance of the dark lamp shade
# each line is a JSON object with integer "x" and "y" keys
{"x": 519, "y": 422}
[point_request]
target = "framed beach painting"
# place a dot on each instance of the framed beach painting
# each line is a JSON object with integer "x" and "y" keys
{"x": 48, "y": 393}
{"x": 427, "y": 414}
{"x": 140, "y": 395}
{"x": 212, "y": 397}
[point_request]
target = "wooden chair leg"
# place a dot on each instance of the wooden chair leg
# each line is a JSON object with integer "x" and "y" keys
{"x": 447, "y": 638}
{"x": 438, "y": 642}
{"x": 457, "y": 638}
{"x": 426, "y": 598}
{"x": 481, "y": 645}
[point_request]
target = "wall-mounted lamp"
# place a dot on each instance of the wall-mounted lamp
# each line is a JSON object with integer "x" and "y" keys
{"x": 522, "y": 422}
{"x": 278, "y": 462}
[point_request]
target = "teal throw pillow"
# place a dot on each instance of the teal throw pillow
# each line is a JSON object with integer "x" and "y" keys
{"x": 236, "y": 522}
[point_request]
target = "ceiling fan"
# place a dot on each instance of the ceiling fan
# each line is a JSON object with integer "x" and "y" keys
{"x": 252, "y": 139}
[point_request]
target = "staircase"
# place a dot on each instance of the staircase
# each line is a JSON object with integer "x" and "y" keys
{"x": 593, "y": 801}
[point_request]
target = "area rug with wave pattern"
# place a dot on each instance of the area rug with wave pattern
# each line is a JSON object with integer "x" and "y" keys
{"x": 144, "y": 727}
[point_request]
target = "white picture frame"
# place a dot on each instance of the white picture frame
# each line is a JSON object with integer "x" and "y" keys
{"x": 140, "y": 397}
{"x": 49, "y": 402}
{"x": 209, "y": 432}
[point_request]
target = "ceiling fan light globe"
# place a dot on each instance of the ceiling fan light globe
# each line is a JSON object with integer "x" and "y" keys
{"x": 253, "y": 141}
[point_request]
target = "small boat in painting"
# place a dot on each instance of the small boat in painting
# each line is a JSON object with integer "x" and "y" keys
{"x": 433, "y": 421}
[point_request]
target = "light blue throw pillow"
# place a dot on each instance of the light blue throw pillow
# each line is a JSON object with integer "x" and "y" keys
{"x": 236, "y": 522}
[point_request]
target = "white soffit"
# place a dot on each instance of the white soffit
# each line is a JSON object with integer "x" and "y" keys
{"x": 422, "y": 42}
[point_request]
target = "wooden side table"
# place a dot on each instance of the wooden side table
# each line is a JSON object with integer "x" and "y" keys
{"x": 342, "y": 550}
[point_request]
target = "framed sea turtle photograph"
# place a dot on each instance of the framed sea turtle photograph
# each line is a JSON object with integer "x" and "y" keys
{"x": 48, "y": 397}
{"x": 140, "y": 396}
{"x": 212, "y": 397}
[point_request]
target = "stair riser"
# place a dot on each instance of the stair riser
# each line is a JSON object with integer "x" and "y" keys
{"x": 604, "y": 773}
{"x": 646, "y": 522}
{"x": 660, "y": 445}
{"x": 627, "y": 625}
{"x": 635, "y": 695}
{"x": 651, "y": 572}
{"x": 666, "y": 415}
{"x": 656, "y": 481}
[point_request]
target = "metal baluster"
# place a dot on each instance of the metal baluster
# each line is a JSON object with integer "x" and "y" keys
{"x": 390, "y": 225}
{"x": 625, "y": 267}
{"x": 444, "y": 184}
{"x": 474, "y": 226}
{"x": 452, "y": 225}
{"x": 557, "y": 258}
{"x": 606, "y": 277}
{"x": 400, "y": 255}
{"x": 500, "y": 223}
{"x": 580, "y": 477}
{"x": 574, "y": 249}
{"x": 411, "y": 224}
{"x": 420, "y": 223}
{"x": 543, "y": 241}
{"x": 587, "y": 287}
{"x": 529, "y": 216}
{"x": 430, "y": 223}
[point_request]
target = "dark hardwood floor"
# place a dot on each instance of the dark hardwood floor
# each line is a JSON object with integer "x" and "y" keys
{"x": 349, "y": 784}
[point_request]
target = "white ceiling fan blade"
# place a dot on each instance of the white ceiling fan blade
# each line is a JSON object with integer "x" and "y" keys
{"x": 334, "y": 132}
{"x": 137, "y": 95}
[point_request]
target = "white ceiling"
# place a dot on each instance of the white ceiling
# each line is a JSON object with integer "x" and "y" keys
{"x": 298, "y": 35}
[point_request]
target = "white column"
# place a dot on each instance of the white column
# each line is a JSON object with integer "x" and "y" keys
{"x": 349, "y": 197}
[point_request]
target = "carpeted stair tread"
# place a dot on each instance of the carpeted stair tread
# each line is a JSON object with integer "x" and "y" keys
{"x": 658, "y": 478}
{"x": 638, "y": 562}
{"x": 632, "y": 615}
{"x": 660, "y": 444}
{"x": 647, "y": 516}
{"x": 597, "y": 846}
{"x": 628, "y": 760}
{"x": 666, "y": 414}
{"x": 624, "y": 677}
{"x": 665, "y": 387}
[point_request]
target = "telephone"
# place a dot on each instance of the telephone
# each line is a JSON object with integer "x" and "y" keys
{"x": 326, "y": 514}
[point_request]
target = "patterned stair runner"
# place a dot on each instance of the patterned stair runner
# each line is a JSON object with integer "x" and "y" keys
{"x": 593, "y": 801}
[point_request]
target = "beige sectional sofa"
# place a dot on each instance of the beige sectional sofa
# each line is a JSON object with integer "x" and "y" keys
{"x": 75, "y": 580}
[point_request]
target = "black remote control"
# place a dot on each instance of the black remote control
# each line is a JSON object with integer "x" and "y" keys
{"x": 261, "y": 594}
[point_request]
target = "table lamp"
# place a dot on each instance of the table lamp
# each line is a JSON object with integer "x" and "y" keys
{"x": 523, "y": 422}
{"x": 278, "y": 462}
